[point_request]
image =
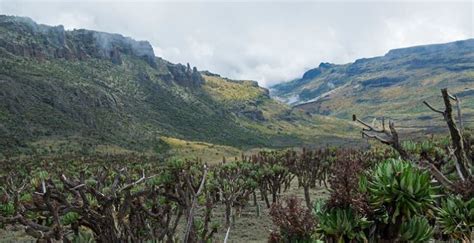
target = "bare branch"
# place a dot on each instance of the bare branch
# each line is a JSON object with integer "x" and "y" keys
{"x": 43, "y": 187}
{"x": 440, "y": 177}
{"x": 384, "y": 141}
{"x": 432, "y": 108}
{"x": 368, "y": 127}
{"x": 227, "y": 235}
{"x": 458, "y": 107}
{"x": 142, "y": 179}
{"x": 392, "y": 136}
{"x": 193, "y": 205}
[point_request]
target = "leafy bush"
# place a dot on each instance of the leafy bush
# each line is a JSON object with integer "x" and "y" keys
{"x": 341, "y": 224}
{"x": 417, "y": 229}
{"x": 398, "y": 191}
{"x": 401, "y": 187}
{"x": 69, "y": 218}
{"x": 455, "y": 218}
{"x": 7, "y": 209}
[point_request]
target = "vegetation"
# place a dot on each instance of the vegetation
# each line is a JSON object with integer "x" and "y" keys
{"x": 374, "y": 196}
{"x": 295, "y": 222}
{"x": 68, "y": 92}
{"x": 393, "y": 85}
{"x": 57, "y": 99}
{"x": 456, "y": 218}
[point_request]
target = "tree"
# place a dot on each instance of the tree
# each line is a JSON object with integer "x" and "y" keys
{"x": 310, "y": 167}
{"x": 234, "y": 181}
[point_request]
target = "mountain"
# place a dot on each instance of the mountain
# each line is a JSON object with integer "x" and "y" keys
{"x": 393, "y": 85}
{"x": 84, "y": 90}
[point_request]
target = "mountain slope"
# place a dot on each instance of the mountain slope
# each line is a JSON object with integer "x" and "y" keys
{"x": 278, "y": 123}
{"x": 81, "y": 89}
{"x": 393, "y": 85}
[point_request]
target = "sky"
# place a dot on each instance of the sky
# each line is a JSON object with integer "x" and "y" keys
{"x": 269, "y": 42}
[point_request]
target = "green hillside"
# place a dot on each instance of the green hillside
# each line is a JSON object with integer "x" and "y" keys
{"x": 64, "y": 91}
{"x": 393, "y": 85}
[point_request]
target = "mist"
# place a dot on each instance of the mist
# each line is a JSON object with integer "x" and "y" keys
{"x": 262, "y": 41}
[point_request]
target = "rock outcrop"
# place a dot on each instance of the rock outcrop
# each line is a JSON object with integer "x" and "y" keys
{"x": 26, "y": 38}
{"x": 186, "y": 76}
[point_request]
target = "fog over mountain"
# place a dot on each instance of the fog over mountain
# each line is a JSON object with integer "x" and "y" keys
{"x": 263, "y": 41}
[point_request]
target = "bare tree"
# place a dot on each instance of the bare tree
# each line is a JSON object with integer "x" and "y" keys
{"x": 462, "y": 161}
{"x": 460, "y": 152}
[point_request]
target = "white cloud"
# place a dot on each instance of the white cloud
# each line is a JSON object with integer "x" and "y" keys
{"x": 75, "y": 20}
{"x": 265, "y": 41}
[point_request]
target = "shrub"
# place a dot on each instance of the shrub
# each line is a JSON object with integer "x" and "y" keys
{"x": 295, "y": 222}
{"x": 455, "y": 218}
{"x": 341, "y": 224}
{"x": 416, "y": 229}
{"x": 397, "y": 191}
{"x": 344, "y": 181}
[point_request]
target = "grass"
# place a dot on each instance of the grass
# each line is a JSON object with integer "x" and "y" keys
{"x": 282, "y": 124}
{"x": 422, "y": 76}
{"x": 231, "y": 91}
{"x": 210, "y": 153}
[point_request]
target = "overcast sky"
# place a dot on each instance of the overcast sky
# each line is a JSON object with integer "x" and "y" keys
{"x": 262, "y": 41}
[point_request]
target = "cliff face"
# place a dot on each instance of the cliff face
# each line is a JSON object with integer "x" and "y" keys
{"x": 184, "y": 75}
{"x": 22, "y": 36}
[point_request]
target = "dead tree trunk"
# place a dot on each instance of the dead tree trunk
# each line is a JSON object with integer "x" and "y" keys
{"x": 462, "y": 161}
{"x": 391, "y": 138}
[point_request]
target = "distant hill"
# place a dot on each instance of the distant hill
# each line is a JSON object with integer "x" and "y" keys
{"x": 393, "y": 85}
{"x": 82, "y": 89}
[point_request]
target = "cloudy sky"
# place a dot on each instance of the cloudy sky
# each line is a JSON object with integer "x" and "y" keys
{"x": 263, "y": 41}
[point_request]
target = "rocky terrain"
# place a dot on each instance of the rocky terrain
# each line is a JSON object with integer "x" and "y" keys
{"x": 393, "y": 85}
{"x": 81, "y": 89}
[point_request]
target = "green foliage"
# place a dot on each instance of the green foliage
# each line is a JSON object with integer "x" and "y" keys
{"x": 235, "y": 175}
{"x": 455, "y": 218}
{"x": 201, "y": 230}
{"x": 70, "y": 218}
{"x": 429, "y": 147}
{"x": 417, "y": 229}
{"x": 400, "y": 188}
{"x": 83, "y": 237}
{"x": 341, "y": 224}
{"x": 7, "y": 209}
{"x": 389, "y": 85}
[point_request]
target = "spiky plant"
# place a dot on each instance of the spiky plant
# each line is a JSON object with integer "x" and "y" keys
{"x": 455, "y": 218}
{"x": 399, "y": 190}
{"x": 341, "y": 224}
{"x": 83, "y": 237}
{"x": 417, "y": 229}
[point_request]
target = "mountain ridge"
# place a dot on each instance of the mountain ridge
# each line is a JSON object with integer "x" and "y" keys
{"x": 77, "y": 90}
{"x": 393, "y": 85}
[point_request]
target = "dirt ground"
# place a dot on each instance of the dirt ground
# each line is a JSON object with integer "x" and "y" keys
{"x": 250, "y": 228}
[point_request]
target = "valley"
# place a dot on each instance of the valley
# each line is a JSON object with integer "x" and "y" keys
{"x": 101, "y": 140}
{"x": 81, "y": 90}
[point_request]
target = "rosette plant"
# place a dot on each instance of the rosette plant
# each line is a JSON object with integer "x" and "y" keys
{"x": 340, "y": 224}
{"x": 455, "y": 218}
{"x": 397, "y": 191}
{"x": 417, "y": 229}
